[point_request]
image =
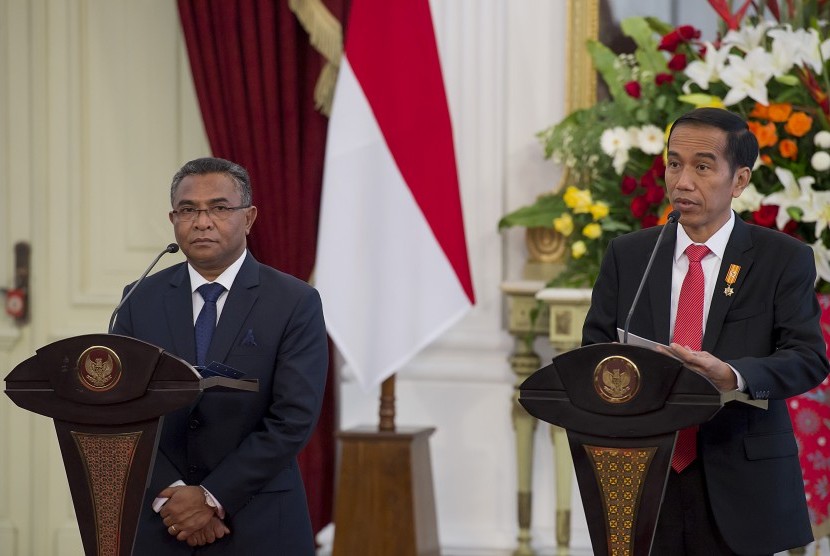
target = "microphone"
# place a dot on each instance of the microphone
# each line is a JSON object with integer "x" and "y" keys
{"x": 672, "y": 218}
{"x": 172, "y": 248}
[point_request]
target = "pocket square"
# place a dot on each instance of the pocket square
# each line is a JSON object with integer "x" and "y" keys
{"x": 249, "y": 339}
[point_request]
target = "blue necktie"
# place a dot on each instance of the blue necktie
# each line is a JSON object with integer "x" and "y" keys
{"x": 206, "y": 321}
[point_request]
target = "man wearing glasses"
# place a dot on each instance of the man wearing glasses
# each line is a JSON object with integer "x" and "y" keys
{"x": 225, "y": 475}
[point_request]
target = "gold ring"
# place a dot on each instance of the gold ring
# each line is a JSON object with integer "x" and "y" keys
{"x": 173, "y": 527}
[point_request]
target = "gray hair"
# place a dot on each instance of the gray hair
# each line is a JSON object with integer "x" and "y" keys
{"x": 211, "y": 165}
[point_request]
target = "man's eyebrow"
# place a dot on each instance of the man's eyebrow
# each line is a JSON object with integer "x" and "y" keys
{"x": 701, "y": 154}
{"x": 210, "y": 201}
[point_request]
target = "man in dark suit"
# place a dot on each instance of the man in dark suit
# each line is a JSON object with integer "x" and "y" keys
{"x": 742, "y": 493}
{"x": 225, "y": 475}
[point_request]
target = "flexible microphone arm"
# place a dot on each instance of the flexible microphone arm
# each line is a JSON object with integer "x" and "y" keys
{"x": 172, "y": 248}
{"x": 672, "y": 218}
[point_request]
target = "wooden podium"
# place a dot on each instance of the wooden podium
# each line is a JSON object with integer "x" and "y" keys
{"x": 621, "y": 405}
{"x": 107, "y": 395}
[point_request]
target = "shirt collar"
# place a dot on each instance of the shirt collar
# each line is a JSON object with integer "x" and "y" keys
{"x": 716, "y": 243}
{"x": 226, "y": 278}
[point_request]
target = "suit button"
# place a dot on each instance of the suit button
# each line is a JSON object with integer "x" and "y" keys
{"x": 194, "y": 424}
{"x": 192, "y": 469}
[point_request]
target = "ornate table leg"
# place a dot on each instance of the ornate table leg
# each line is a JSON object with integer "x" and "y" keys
{"x": 523, "y": 362}
{"x": 564, "y": 481}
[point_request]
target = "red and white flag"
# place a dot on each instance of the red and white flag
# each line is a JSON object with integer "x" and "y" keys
{"x": 392, "y": 266}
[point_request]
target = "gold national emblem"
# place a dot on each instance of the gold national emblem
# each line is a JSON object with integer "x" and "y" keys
{"x": 616, "y": 379}
{"x": 99, "y": 368}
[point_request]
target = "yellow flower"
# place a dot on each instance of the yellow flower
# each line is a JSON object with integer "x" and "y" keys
{"x": 599, "y": 210}
{"x": 578, "y": 200}
{"x": 578, "y": 249}
{"x": 592, "y": 230}
{"x": 564, "y": 224}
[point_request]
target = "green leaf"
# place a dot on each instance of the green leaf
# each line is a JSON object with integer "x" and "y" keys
{"x": 605, "y": 61}
{"x": 658, "y": 26}
{"x": 539, "y": 214}
{"x": 649, "y": 58}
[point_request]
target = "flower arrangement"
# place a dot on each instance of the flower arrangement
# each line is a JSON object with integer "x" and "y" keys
{"x": 769, "y": 64}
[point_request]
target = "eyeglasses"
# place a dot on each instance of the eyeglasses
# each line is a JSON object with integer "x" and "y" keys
{"x": 218, "y": 212}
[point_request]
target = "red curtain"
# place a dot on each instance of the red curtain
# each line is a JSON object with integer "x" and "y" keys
{"x": 254, "y": 72}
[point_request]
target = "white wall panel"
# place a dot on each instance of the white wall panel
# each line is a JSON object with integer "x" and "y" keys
{"x": 92, "y": 128}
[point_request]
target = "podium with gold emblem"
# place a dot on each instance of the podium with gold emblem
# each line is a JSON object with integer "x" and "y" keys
{"x": 107, "y": 395}
{"x": 621, "y": 406}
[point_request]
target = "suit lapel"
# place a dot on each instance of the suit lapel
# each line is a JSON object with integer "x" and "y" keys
{"x": 659, "y": 287}
{"x": 178, "y": 307}
{"x": 737, "y": 252}
{"x": 241, "y": 299}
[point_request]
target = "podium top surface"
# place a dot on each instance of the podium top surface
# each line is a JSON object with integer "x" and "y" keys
{"x": 108, "y": 378}
{"x": 619, "y": 390}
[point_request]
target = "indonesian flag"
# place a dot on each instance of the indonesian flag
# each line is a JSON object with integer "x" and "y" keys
{"x": 392, "y": 265}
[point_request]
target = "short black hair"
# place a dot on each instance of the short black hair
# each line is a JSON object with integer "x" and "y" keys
{"x": 211, "y": 165}
{"x": 741, "y": 144}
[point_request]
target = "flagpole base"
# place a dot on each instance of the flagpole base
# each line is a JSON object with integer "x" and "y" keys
{"x": 385, "y": 502}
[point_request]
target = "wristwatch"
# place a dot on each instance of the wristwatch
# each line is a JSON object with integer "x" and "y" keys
{"x": 208, "y": 498}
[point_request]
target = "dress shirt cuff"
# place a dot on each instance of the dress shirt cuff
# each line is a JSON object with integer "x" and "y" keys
{"x": 159, "y": 502}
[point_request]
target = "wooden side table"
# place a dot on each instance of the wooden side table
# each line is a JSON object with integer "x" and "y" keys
{"x": 385, "y": 500}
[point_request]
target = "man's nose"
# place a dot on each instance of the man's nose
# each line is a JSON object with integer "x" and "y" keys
{"x": 203, "y": 220}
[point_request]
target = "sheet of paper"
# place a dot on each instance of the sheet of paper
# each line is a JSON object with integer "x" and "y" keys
{"x": 635, "y": 340}
{"x": 731, "y": 396}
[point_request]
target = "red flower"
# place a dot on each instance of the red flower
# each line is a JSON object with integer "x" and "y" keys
{"x": 654, "y": 195}
{"x": 633, "y": 89}
{"x": 677, "y": 62}
{"x": 649, "y": 220}
{"x": 791, "y": 228}
{"x": 662, "y": 78}
{"x": 648, "y": 180}
{"x": 639, "y": 206}
{"x": 682, "y": 34}
{"x": 765, "y": 216}
{"x": 628, "y": 185}
{"x": 658, "y": 167}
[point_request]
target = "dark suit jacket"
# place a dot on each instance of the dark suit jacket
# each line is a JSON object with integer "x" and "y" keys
{"x": 241, "y": 446}
{"x": 769, "y": 331}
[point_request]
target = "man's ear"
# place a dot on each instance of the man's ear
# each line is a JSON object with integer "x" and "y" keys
{"x": 250, "y": 216}
{"x": 741, "y": 181}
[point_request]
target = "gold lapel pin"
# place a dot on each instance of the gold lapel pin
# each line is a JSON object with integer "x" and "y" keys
{"x": 731, "y": 278}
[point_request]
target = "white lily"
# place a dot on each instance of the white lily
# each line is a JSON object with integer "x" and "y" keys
{"x": 820, "y": 213}
{"x": 796, "y": 193}
{"x": 750, "y": 200}
{"x": 748, "y": 36}
{"x": 803, "y": 43}
{"x": 703, "y": 72}
{"x": 822, "y": 258}
{"x": 747, "y": 77}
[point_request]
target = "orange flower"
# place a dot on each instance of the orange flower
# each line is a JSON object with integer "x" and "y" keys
{"x": 665, "y": 216}
{"x": 760, "y": 112}
{"x": 765, "y": 133}
{"x": 798, "y": 124}
{"x": 788, "y": 148}
{"x": 779, "y": 112}
{"x": 765, "y": 158}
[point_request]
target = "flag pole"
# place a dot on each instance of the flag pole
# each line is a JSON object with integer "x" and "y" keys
{"x": 387, "y": 405}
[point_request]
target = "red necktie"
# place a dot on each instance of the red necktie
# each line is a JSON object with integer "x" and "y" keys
{"x": 688, "y": 332}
